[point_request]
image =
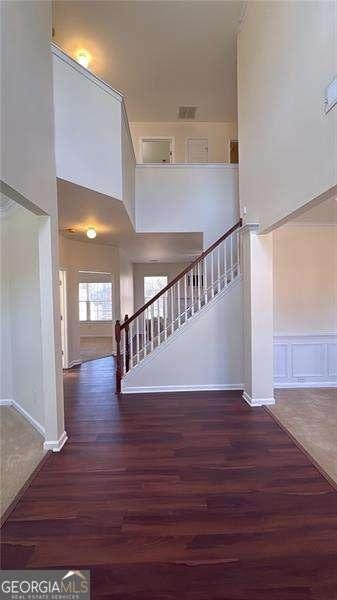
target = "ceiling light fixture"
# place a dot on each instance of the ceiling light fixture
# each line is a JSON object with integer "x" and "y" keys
{"x": 84, "y": 58}
{"x": 91, "y": 233}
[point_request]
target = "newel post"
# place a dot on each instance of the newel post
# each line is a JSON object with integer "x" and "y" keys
{"x": 119, "y": 358}
{"x": 127, "y": 344}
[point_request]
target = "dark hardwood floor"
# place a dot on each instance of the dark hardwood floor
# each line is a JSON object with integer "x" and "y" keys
{"x": 182, "y": 496}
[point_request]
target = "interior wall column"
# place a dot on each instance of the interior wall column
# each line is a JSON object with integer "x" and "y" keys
{"x": 257, "y": 258}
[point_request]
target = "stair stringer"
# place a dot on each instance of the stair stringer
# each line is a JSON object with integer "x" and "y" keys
{"x": 206, "y": 353}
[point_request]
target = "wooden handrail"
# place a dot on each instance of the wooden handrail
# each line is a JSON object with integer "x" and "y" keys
{"x": 127, "y": 322}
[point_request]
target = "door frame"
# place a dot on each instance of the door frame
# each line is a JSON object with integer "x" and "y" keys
{"x": 229, "y": 149}
{"x": 64, "y": 317}
{"x": 149, "y": 138}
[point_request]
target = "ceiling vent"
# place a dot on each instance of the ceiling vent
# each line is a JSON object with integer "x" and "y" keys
{"x": 187, "y": 112}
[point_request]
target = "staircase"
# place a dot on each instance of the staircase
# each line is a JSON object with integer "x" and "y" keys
{"x": 195, "y": 287}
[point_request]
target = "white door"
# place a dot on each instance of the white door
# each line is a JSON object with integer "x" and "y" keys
{"x": 197, "y": 150}
{"x": 63, "y": 310}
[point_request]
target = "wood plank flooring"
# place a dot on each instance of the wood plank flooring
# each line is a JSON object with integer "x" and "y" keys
{"x": 182, "y": 496}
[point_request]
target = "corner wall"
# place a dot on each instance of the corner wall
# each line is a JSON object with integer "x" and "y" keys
{"x": 28, "y": 170}
{"x": 305, "y": 305}
{"x": 286, "y": 58}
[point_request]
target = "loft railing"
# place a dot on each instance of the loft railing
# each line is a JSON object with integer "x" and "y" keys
{"x": 214, "y": 270}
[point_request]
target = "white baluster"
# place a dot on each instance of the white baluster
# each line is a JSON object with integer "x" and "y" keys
{"x": 131, "y": 345}
{"x": 225, "y": 261}
{"x": 151, "y": 328}
{"x": 238, "y": 253}
{"x": 185, "y": 292}
{"x": 218, "y": 268}
{"x": 199, "y": 286}
{"x": 137, "y": 340}
{"x": 158, "y": 319}
{"x": 231, "y": 263}
{"x": 192, "y": 291}
{"x": 205, "y": 280}
{"x": 165, "y": 315}
{"x": 212, "y": 275}
{"x": 178, "y": 291}
{"x": 172, "y": 310}
{"x": 123, "y": 350}
{"x": 144, "y": 334}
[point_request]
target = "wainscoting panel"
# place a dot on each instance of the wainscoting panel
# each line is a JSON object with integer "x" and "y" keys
{"x": 305, "y": 360}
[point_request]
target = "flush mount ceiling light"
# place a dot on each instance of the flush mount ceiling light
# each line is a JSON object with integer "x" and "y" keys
{"x": 91, "y": 233}
{"x": 83, "y": 57}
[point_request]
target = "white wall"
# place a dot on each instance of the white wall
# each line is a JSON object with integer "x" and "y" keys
{"x": 141, "y": 270}
{"x": 286, "y": 58}
{"x": 305, "y": 305}
{"x": 126, "y": 285}
{"x": 28, "y": 168}
{"x": 87, "y": 256}
{"x": 21, "y": 243}
{"x": 6, "y": 368}
{"x": 88, "y": 131}
{"x": 206, "y": 353}
{"x": 218, "y": 135}
{"x": 187, "y": 198}
{"x": 305, "y": 279}
{"x": 128, "y": 166}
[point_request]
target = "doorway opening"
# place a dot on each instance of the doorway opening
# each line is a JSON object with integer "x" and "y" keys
{"x": 63, "y": 311}
{"x": 157, "y": 150}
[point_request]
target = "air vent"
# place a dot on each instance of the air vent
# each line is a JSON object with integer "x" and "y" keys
{"x": 187, "y": 112}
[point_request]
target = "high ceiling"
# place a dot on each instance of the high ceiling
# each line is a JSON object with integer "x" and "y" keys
{"x": 81, "y": 208}
{"x": 160, "y": 54}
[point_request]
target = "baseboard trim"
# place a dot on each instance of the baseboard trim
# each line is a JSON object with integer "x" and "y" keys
{"x": 21, "y": 492}
{"x": 25, "y": 414}
{"x": 308, "y": 384}
{"x": 56, "y": 445}
{"x": 257, "y": 401}
{"x": 181, "y": 388}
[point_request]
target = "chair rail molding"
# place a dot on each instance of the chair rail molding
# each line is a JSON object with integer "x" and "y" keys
{"x": 305, "y": 360}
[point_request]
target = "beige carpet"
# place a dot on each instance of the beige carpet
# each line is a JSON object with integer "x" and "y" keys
{"x": 21, "y": 450}
{"x": 310, "y": 415}
{"x": 95, "y": 347}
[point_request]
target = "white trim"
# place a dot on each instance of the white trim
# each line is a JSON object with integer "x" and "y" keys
{"x": 302, "y": 224}
{"x": 64, "y": 316}
{"x": 149, "y": 138}
{"x": 25, "y": 414}
{"x": 72, "y": 62}
{"x": 309, "y": 384}
{"x": 55, "y": 445}
{"x": 182, "y": 388}
{"x": 305, "y": 360}
{"x": 257, "y": 401}
{"x": 186, "y": 165}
